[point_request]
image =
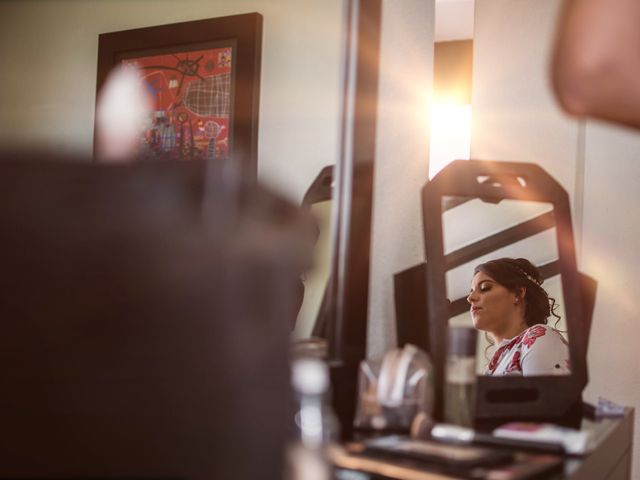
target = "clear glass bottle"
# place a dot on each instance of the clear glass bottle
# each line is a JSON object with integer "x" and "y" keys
{"x": 316, "y": 426}
{"x": 460, "y": 377}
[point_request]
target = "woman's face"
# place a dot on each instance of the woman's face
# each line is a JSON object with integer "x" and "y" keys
{"x": 494, "y": 308}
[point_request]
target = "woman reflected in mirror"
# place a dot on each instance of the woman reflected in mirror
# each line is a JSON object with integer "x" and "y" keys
{"x": 510, "y": 305}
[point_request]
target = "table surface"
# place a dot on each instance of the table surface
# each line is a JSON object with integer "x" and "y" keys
{"x": 610, "y": 459}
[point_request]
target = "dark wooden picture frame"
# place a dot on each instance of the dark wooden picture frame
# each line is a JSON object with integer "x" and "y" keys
{"x": 242, "y": 34}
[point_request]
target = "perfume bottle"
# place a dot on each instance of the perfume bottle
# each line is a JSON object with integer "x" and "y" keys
{"x": 316, "y": 426}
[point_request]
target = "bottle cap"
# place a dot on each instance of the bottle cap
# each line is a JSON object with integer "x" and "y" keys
{"x": 309, "y": 376}
{"x": 462, "y": 341}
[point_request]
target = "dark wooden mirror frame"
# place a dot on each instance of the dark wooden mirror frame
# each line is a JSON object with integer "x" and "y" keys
{"x": 348, "y": 287}
{"x": 242, "y": 32}
{"x": 544, "y": 397}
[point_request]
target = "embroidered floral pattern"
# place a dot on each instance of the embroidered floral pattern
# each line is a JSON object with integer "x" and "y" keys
{"x": 497, "y": 356}
{"x": 514, "y": 365}
{"x": 531, "y": 334}
{"x": 517, "y": 357}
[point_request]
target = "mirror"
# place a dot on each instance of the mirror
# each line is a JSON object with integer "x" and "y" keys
{"x": 345, "y": 306}
{"x": 318, "y": 200}
{"x": 520, "y": 229}
{"x": 523, "y": 193}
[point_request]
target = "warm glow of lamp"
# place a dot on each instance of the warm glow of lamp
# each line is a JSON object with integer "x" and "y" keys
{"x": 450, "y": 134}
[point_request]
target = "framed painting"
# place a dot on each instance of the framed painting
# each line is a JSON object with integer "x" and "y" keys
{"x": 203, "y": 82}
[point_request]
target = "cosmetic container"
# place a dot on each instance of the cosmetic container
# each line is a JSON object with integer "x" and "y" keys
{"x": 460, "y": 377}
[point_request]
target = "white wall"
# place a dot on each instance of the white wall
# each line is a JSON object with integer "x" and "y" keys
{"x": 48, "y": 53}
{"x": 611, "y": 254}
{"x": 402, "y": 146}
{"x": 514, "y": 114}
{"x": 516, "y": 118}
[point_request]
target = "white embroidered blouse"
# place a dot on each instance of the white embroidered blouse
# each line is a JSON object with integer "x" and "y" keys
{"x": 539, "y": 350}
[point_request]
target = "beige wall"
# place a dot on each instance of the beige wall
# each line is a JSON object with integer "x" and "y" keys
{"x": 48, "y": 53}
{"x": 516, "y": 118}
{"x": 514, "y": 114}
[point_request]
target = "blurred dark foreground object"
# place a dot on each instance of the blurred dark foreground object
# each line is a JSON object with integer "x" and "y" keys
{"x": 144, "y": 324}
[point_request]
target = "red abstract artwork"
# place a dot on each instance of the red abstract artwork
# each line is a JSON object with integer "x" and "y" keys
{"x": 191, "y": 97}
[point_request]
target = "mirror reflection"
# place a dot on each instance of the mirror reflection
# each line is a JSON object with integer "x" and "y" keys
{"x": 309, "y": 334}
{"x": 315, "y": 280}
{"x": 503, "y": 282}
